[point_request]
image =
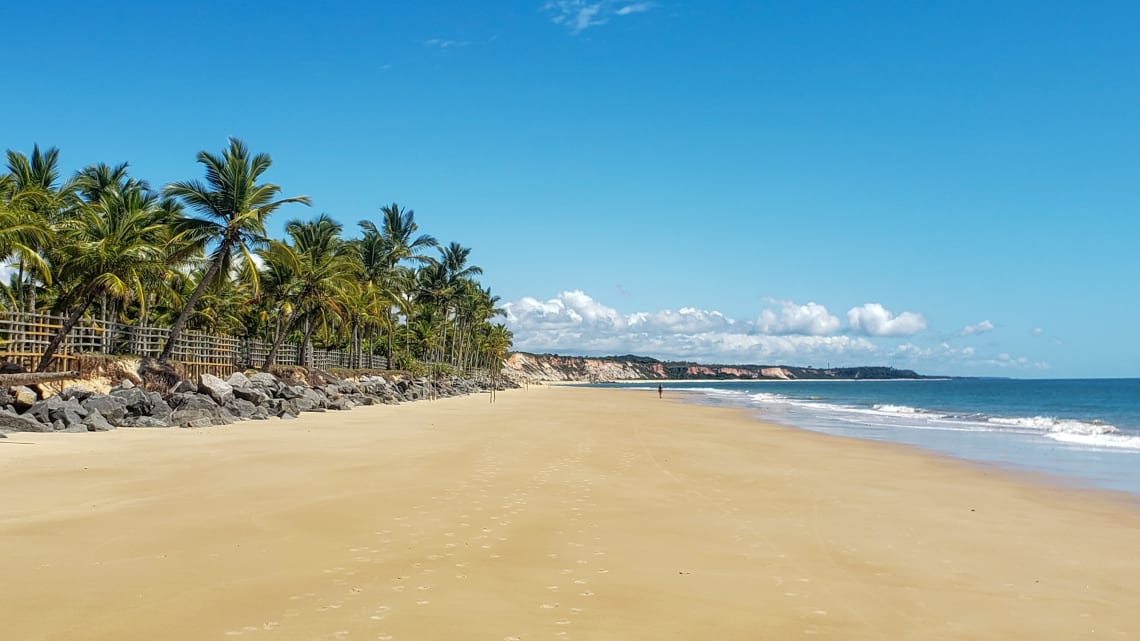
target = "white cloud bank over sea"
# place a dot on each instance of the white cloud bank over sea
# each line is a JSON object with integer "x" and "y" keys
{"x": 783, "y": 332}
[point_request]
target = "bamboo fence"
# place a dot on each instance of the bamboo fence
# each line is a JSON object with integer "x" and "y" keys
{"x": 24, "y": 337}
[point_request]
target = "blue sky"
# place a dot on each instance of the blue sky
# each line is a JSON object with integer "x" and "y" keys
{"x": 952, "y": 187}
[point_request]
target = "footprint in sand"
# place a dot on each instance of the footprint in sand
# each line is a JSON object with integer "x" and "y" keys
{"x": 587, "y": 593}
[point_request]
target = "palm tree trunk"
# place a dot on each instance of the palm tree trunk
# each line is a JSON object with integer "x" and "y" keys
{"x": 180, "y": 323}
{"x": 280, "y": 338}
{"x": 72, "y": 320}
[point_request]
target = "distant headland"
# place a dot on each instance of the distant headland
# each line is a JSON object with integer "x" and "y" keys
{"x": 527, "y": 367}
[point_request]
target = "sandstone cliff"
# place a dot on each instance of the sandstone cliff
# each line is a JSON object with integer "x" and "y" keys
{"x": 524, "y": 367}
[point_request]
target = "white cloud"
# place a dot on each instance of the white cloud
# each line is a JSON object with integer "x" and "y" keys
{"x": 573, "y": 322}
{"x": 812, "y": 319}
{"x": 980, "y": 328}
{"x": 579, "y": 15}
{"x": 445, "y": 44}
{"x": 637, "y": 7}
{"x": 873, "y": 319}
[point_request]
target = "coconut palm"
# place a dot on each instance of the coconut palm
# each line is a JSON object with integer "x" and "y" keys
{"x": 234, "y": 208}
{"x": 114, "y": 247}
{"x": 317, "y": 270}
{"x": 31, "y": 201}
{"x": 399, "y": 234}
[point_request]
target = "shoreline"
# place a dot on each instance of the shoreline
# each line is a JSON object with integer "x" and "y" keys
{"x": 556, "y": 509}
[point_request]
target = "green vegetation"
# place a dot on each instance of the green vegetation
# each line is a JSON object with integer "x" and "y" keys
{"x": 195, "y": 255}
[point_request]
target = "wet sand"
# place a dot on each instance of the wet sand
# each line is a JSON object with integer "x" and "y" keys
{"x": 555, "y": 513}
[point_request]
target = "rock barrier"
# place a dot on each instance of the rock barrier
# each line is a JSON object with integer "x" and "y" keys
{"x": 210, "y": 401}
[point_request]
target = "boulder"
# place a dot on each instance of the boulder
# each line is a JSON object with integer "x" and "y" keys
{"x": 190, "y": 409}
{"x": 238, "y": 379}
{"x": 182, "y": 387}
{"x": 77, "y": 392}
{"x": 23, "y": 398}
{"x": 13, "y": 422}
{"x": 217, "y": 389}
{"x": 96, "y": 423}
{"x": 251, "y": 394}
{"x": 291, "y": 392}
{"x": 145, "y": 421}
{"x": 159, "y": 408}
{"x": 265, "y": 382}
{"x": 260, "y": 413}
{"x": 241, "y": 408}
{"x": 137, "y": 401}
{"x": 112, "y": 408}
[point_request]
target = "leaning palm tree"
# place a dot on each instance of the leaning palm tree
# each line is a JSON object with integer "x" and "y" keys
{"x": 320, "y": 271}
{"x": 113, "y": 247}
{"x": 234, "y": 208}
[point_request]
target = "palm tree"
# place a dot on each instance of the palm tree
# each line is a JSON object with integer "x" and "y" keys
{"x": 115, "y": 247}
{"x": 234, "y": 209}
{"x": 399, "y": 234}
{"x": 33, "y": 198}
{"x": 319, "y": 272}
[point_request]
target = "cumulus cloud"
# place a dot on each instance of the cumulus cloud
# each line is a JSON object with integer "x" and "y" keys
{"x": 873, "y": 319}
{"x": 812, "y": 319}
{"x": 574, "y": 322}
{"x": 568, "y": 309}
{"x": 980, "y": 328}
{"x": 579, "y": 15}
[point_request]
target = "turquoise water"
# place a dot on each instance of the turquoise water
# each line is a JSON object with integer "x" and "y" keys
{"x": 1087, "y": 431}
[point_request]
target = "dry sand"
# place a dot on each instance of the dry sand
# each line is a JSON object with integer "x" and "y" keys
{"x": 556, "y": 513}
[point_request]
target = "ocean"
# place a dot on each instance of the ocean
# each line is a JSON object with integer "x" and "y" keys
{"x": 1086, "y": 432}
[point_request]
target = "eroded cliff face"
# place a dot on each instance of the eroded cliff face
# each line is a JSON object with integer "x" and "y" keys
{"x": 523, "y": 367}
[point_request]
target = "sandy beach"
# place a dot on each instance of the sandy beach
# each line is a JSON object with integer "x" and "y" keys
{"x": 555, "y": 513}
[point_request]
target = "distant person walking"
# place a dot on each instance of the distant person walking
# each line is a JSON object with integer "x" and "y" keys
{"x": 659, "y": 390}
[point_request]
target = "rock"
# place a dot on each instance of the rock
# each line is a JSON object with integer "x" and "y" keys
{"x": 265, "y": 382}
{"x": 260, "y": 413}
{"x": 13, "y": 422}
{"x": 182, "y": 387}
{"x": 8, "y": 367}
{"x": 341, "y": 404}
{"x": 199, "y": 422}
{"x": 290, "y": 392}
{"x": 126, "y": 383}
{"x": 113, "y": 408}
{"x": 190, "y": 409}
{"x": 251, "y": 394}
{"x": 217, "y": 389}
{"x": 145, "y": 421}
{"x": 313, "y": 398}
{"x": 238, "y": 379}
{"x": 77, "y": 392}
{"x": 241, "y": 408}
{"x": 138, "y": 402}
{"x": 23, "y": 398}
{"x": 159, "y": 408}
{"x": 96, "y": 423}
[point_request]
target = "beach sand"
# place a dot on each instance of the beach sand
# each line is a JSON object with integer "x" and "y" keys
{"x": 555, "y": 513}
